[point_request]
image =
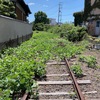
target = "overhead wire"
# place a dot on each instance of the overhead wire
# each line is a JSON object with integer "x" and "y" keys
{"x": 55, "y": 13}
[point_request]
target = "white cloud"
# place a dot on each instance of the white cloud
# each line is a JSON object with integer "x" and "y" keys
{"x": 31, "y": 3}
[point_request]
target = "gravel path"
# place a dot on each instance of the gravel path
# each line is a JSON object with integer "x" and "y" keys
{"x": 91, "y": 74}
{"x": 57, "y": 72}
{"x": 56, "y": 69}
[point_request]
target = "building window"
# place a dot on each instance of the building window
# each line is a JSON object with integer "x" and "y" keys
{"x": 98, "y": 24}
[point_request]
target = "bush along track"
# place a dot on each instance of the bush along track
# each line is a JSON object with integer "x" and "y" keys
{"x": 76, "y": 68}
{"x": 70, "y": 32}
{"x": 90, "y": 60}
{"x": 21, "y": 65}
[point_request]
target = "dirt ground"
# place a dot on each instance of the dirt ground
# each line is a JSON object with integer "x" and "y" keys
{"x": 91, "y": 74}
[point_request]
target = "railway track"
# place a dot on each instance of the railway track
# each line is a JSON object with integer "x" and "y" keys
{"x": 75, "y": 84}
{"x": 60, "y": 84}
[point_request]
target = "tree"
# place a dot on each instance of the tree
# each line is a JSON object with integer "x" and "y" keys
{"x": 78, "y": 18}
{"x": 41, "y": 17}
{"x": 7, "y": 8}
{"x": 41, "y": 21}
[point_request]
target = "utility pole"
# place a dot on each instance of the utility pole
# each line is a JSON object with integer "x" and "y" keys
{"x": 60, "y": 13}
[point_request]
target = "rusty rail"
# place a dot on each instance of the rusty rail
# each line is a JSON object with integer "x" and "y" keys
{"x": 75, "y": 84}
{"x": 25, "y": 96}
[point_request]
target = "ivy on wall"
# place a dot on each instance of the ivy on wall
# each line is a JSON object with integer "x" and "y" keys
{"x": 89, "y": 8}
{"x": 78, "y": 18}
{"x": 81, "y": 16}
{"x": 7, "y": 8}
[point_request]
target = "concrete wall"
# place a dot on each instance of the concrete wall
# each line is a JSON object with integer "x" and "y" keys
{"x": 12, "y": 29}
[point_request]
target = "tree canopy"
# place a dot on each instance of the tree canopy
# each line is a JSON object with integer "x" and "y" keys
{"x": 78, "y": 17}
{"x": 7, "y": 8}
{"x": 41, "y": 17}
{"x": 41, "y": 21}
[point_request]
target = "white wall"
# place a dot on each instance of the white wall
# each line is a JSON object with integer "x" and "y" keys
{"x": 52, "y": 21}
{"x": 12, "y": 28}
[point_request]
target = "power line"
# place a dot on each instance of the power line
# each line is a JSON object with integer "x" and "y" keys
{"x": 51, "y": 8}
{"x": 67, "y": 15}
{"x": 60, "y": 13}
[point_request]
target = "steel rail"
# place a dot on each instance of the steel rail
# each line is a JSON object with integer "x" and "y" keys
{"x": 75, "y": 84}
{"x": 25, "y": 96}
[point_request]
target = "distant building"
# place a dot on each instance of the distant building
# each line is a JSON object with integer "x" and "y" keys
{"x": 21, "y": 9}
{"x": 15, "y": 31}
{"x": 92, "y": 11}
{"x": 52, "y": 21}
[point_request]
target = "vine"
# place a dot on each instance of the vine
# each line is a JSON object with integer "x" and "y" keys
{"x": 78, "y": 17}
{"x": 89, "y": 7}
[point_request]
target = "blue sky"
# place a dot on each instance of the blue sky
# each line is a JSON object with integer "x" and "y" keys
{"x": 50, "y": 7}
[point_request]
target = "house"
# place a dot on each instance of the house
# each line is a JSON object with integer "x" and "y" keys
{"x": 21, "y": 9}
{"x": 92, "y": 14}
{"x": 52, "y": 21}
{"x": 15, "y": 30}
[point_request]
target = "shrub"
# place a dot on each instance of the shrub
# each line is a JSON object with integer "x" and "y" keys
{"x": 7, "y": 8}
{"x": 55, "y": 29}
{"x": 90, "y": 60}
{"x": 39, "y": 26}
{"x": 76, "y": 34}
{"x": 77, "y": 70}
{"x": 47, "y": 27}
{"x": 70, "y": 32}
{"x": 4, "y": 94}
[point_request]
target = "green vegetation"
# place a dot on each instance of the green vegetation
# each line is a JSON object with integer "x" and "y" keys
{"x": 88, "y": 8}
{"x": 72, "y": 95}
{"x": 40, "y": 21}
{"x": 41, "y": 17}
{"x": 18, "y": 66}
{"x": 39, "y": 26}
{"x": 98, "y": 67}
{"x": 90, "y": 60}
{"x": 78, "y": 18}
{"x": 82, "y": 16}
{"x": 70, "y": 32}
{"x": 94, "y": 40}
{"x": 76, "y": 68}
{"x": 4, "y": 94}
{"x": 7, "y": 8}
